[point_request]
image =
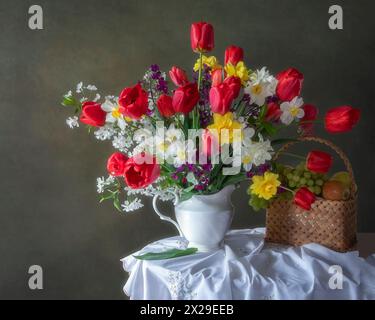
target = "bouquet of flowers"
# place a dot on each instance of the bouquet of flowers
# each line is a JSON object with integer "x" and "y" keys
{"x": 197, "y": 133}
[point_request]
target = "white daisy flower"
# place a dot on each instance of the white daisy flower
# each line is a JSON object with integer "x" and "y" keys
{"x": 291, "y": 110}
{"x": 72, "y": 122}
{"x": 260, "y": 86}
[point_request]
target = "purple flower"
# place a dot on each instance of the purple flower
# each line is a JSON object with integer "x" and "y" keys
{"x": 246, "y": 98}
{"x": 162, "y": 85}
{"x": 156, "y": 75}
{"x": 181, "y": 168}
{"x": 250, "y": 174}
{"x": 263, "y": 168}
{"x": 272, "y": 99}
{"x": 154, "y": 68}
{"x": 207, "y": 167}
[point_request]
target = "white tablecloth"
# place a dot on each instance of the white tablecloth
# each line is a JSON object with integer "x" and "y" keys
{"x": 247, "y": 268}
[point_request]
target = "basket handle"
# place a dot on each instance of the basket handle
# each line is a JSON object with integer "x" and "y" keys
{"x": 335, "y": 148}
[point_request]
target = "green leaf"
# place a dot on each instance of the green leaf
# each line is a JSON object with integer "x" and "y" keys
{"x": 106, "y": 197}
{"x": 69, "y": 101}
{"x": 186, "y": 196}
{"x": 188, "y": 189}
{"x": 270, "y": 129}
{"x": 116, "y": 203}
{"x": 234, "y": 179}
{"x": 257, "y": 203}
{"x": 169, "y": 254}
{"x": 262, "y": 112}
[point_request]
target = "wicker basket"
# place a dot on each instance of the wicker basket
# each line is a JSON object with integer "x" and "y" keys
{"x": 330, "y": 223}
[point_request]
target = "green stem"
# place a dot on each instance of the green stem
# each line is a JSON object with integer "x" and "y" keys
{"x": 182, "y": 127}
{"x": 195, "y": 111}
{"x": 200, "y": 70}
{"x": 242, "y": 108}
{"x": 287, "y": 189}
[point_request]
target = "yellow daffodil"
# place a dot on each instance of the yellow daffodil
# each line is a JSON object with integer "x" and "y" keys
{"x": 239, "y": 71}
{"x": 225, "y": 121}
{"x": 265, "y": 186}
{"x": 210, "y": 62}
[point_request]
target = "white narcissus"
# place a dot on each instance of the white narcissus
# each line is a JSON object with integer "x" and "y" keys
{"x": 113, "y": 114}
{"x": 260, "y": 86}
{"x": 256, "y": 153}
{"x": 291, "y": 110}
{"x": 181, "y": 152}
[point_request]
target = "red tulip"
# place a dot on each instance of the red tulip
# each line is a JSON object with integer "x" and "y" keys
{"x": 341, "y": 119}
{"x": 319, "y": 161}
{"x": 185, "y": 98}
{"x": 217, "y": 77}
{"x": 164, "y": 104}
{"x": 116, "y": 164}
{"x": 133, "y": 102}
{"x": 273, "y": 112}
{"x": 138, "y": 175}
{"x": 289, "y": 84}
{"x": 304, "y": 198}
{"x": 202, "y": 37}
{"x": 178, "y": 76}
{"x": 311, "y": 113}
{"x": 233, "y": 55}
{"x": 92, "y": 114}
{"x": 222, "y": 96}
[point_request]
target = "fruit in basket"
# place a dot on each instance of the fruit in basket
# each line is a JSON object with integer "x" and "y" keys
{"x": 342, "y": 177}
{"x": 299, "y": 176}
{"x": 335, "y": 190}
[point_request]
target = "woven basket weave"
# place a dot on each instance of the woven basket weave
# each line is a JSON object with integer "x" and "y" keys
{"x": 330, "y": 223}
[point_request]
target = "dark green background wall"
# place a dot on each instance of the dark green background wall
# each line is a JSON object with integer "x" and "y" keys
{"x": 50, "y": 214}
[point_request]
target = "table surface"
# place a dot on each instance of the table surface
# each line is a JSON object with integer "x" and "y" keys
{"x": 247, "y": 268}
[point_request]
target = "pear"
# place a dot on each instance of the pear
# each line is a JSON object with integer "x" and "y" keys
{"x": 342, "y": 177}
{"x": 335, "y": 190}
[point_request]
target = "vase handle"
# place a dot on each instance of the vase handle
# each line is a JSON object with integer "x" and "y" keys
{"x": 162, "y": 216}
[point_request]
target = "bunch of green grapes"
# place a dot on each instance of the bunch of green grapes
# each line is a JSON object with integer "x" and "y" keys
{"x": 295, "y": 178}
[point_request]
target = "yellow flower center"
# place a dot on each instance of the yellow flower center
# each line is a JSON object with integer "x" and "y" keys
{"x": 116, "y": 113}
{"x": 162, "y": 146}
{"x": 257, "y": 89}
{"x": 294, "y": 111}
{"x": 246, "y": 159}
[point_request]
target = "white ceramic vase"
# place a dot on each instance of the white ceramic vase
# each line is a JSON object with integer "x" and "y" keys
{"x": 203, "y": 219}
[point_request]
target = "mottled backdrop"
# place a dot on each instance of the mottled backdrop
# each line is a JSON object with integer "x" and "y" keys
{"x": 50, "y": 214}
